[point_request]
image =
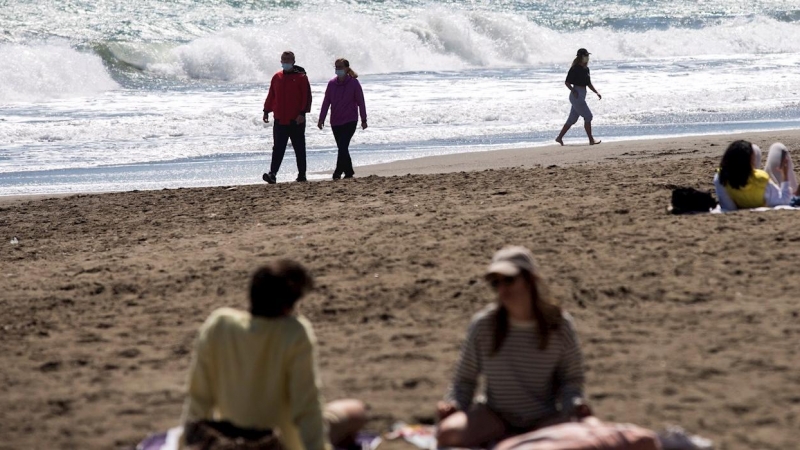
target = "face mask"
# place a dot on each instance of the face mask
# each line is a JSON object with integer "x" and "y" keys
{"x": 340, "y": 72}
{"x": 287, "y": 66}
{"x": 585, "y": 59}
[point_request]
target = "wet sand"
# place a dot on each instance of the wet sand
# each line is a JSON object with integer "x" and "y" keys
{"x": 689, "y": 320}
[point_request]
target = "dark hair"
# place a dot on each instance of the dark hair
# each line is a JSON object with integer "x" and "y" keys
{"x": 288, "y": 53}
{"x": 277, "y": 286}
{"x": 737, "y": 164}
{"x": 348, "y": 70}
{"x": 546, "y": 313}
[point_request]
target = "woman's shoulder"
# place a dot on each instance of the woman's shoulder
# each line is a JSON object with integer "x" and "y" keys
{"x": 567, "y": 326}
{"x": 486, "y": 313}
{"x": 483, "y": 318}
{"x": 759, "y": 174}
{"x": 567, "y": 319}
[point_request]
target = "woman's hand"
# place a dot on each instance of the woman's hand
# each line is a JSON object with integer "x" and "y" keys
{"x": 785, "y": 168}
{"x": 445, "y": 409}
{"x": 300, "y": 119}
{"x": 599, "y": 97}
{"x": 363, "y": 124}
{"x": 320, "y": 124}
{"x": 266, "y": 117}
{"x": 581, "y": 410}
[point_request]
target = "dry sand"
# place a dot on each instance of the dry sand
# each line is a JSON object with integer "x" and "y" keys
{"x": 689, "y": 320}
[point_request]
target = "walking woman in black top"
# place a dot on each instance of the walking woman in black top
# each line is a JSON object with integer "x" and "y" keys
{"x": 577, "y": 81}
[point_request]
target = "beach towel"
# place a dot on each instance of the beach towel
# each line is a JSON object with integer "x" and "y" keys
{"x": 169, "y": 441}
{"x": 589, "y": 434}
{"x": 719, "y": 210}
{"x": 421, "y": 436}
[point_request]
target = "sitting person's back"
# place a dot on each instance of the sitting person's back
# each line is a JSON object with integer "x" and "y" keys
{"x": 248, "y": 368}
{"x": 740, "y": 184}
{"x": 257, "y": 369}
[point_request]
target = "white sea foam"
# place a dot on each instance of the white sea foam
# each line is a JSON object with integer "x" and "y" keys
{"x": 46, "y": 71}
{"x": 436, "y": 40}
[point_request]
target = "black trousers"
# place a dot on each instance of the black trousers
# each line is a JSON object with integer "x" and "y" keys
{"x": 281, "y": 133}
{"x": 343, "y": 134}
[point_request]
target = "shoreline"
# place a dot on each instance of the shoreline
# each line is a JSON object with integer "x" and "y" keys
{"x": 697, "y": 146}
{"x": 635, "y": 150}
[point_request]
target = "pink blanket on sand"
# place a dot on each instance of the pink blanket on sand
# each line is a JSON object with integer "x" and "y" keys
{"x": 589, "y": 434}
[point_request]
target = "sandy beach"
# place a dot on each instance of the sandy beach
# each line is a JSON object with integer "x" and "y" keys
{"x": 685, "y": 320}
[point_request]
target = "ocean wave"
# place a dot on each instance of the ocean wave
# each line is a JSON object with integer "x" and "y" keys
{"x": 438, "y": 40}
{"x": 428, "y": 39}
{"x": 50, "y": 70}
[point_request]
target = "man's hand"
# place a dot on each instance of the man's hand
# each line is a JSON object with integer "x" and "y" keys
{"x": 445, "y": 409}
{"x": 266, "y": 117}
{"x": 363, "y": 124}
{"x": 301, "y": 118}
{"x": 599, "y": 97}
{"x": 581, "y": 409}
{"x": 320, "y": 124}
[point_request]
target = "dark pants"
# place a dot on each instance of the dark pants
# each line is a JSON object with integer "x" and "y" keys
{"x": 343, "y": 134}
{"x": 281, "y": 134}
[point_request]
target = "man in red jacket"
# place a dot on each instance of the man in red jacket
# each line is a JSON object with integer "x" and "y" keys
{"x": 289, "y": 99}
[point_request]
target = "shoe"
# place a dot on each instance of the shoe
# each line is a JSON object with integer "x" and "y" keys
{"x": 301, "y": 179}
{"x": 269, "y": 177}
{"x": 337, "y": 176}
{"x": 348, "y": 176}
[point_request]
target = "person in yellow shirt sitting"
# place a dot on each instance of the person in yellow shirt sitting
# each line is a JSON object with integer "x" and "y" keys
{"x": 740, "y": 184}
{"x": 257, "y": 369}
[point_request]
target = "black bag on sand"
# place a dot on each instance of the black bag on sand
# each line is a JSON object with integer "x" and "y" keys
{"x": 690, "y": 200}
{"x": 210, "y": 435}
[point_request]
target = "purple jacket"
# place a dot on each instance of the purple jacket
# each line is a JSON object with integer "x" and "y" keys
{"x": 344, "y": 100}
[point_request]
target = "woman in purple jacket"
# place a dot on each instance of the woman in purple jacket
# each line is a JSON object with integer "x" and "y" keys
{"x": 345, "y": 98}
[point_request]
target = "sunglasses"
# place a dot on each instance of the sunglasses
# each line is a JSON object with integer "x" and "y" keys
{"x": 497, "y": 281}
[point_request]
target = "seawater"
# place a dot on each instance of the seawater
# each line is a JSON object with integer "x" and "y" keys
{"x": 145, "y": 94}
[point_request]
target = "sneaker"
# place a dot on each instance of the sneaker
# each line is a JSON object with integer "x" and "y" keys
{"x": 346, "y": 177}
{"x": 337, "y": 176}
{"x": 269, "y": 177}
{"x": 301, "y": 179}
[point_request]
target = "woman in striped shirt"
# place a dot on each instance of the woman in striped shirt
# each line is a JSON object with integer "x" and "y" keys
{"x": 527, "y": 349}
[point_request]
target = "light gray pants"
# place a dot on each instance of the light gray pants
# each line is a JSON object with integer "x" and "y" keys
{"x": 579, "y": 106}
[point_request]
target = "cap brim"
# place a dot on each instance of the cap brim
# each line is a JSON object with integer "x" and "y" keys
{"x": 503, "y": 268}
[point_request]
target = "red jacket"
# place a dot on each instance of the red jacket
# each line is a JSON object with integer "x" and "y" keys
{"x": 289, "y": 95}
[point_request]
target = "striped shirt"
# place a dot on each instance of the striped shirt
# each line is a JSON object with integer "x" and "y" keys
{"x": 523, "y": 382}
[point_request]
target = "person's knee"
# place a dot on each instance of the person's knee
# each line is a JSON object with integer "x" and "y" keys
{"x": 356, "y": 413}
{"x": 587, "y": 120}
{"x": 571, "y": 121}
{"x": 352, "y": 413}
{"x": 447, "y": 436}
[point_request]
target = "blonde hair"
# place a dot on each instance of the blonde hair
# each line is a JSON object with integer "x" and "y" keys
{"x": 346, "y": 64}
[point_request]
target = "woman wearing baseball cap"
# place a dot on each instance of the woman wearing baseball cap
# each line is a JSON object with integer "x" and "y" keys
{"x": 577, "y": 81}
{"x": 527, "y": 349}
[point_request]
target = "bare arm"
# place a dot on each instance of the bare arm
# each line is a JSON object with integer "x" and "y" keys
{"x": 590, "y": 86}
{"x": 465, "y": 380}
